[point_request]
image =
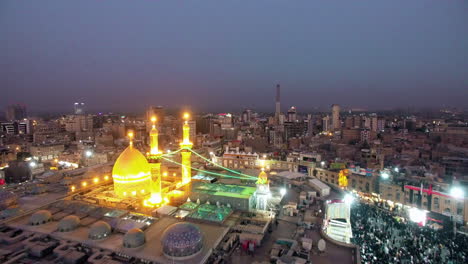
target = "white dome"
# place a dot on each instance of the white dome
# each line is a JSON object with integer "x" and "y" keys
{"x": 134, "y": 238}
{"x": 40, "y": 217}
{"x": 99, "y": 230}
{"x": 68, "y": 223}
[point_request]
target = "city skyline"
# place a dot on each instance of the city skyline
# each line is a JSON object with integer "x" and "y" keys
{"x": 174, "y": 54}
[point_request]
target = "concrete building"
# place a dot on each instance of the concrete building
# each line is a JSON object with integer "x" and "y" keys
{"x": 15, "y": 112}
{"x": 336, "y": 122}
{"x": 326, "y": 126}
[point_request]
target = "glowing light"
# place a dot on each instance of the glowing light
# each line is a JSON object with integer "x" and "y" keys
{"x": 176, "y": 192}
{"x": 343, "y": 178}
{"x": 32, "y": 164}
{"x": 165, "y": 173}
{"x": 211, "y": 153}
{"x": 385, "y": 175}
{"x": 174, "y": 174}
{"x": 106, "y": 178}
{"x": 155, "y": 199}
{"x": 73, "y": 188}
{"x": 153, "y": 119}
{"x": 417, "y": 216}
{"x": 322, "y": 163}
{"x": 457, "y": 192}
{"x": 88, "y": 153}
{"x": 186, "y": 116}
{"x": 283, "y": 192}
{"x": 247, "y": 177}
{"x": 130, "y": 135}
{"x": 95, "y": 180}
{"x": 217, "y": 165}
{"x": 142, "y": 191}
{"x": 396, "y": 169}
{"x": 168, "y": 151}
{"x": 124, "y": 193}
{"x": 348, "y": 198}
{"x": 133, "y": 193}
{"x": 84, "y": 184}
{"x": 131, "y": 172}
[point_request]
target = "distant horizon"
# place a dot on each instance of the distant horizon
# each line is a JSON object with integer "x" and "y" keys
{"x": 176, "y": 110}
{"x": 127, "y": 55}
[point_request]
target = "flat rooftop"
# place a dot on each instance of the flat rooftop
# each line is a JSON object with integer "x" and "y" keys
{"x": 219, "y": 189}
{"x": 151, "y": 250}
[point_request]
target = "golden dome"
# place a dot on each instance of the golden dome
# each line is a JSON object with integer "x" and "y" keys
{"x": 131, "y": 173}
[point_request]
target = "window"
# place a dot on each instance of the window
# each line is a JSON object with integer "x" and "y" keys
{"x": 459, "y": 208}
{"x": 436, "y": 203}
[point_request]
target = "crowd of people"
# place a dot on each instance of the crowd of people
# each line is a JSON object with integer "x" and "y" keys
{"x": 384, "y": 238}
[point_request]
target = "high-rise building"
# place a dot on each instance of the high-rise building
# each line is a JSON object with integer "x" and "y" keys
{"x": 157, "y": 111}
{"x": 336, "y": 123}
{"x": 373, "y": 123}
{"x": 292, "y": 114}
{"x": 17, "y": 128}
{"x": 247, "y": 115}
{"x": 357, "y": 122}
{"x": 78, "y": 123}
{"x": 380, "y": 125}
{"x": 193, "y": 130}
{"x": 349, "y": 122}
{"x": 79, "y": 108}
{"x": 277, "y": 104}
{"x": 15, "y": 112}
{"x": 326, "y": 123}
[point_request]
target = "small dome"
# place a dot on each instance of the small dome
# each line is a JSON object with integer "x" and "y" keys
{"x": 99, "y": 230}
{"x": 40, "y": 217}
{"x": 182, "y": 241}
{"x": 68, "y": 223}
{"x": 134, "y": 238}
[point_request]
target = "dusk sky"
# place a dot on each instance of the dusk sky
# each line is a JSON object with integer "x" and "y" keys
{"x": 228, "y": 55}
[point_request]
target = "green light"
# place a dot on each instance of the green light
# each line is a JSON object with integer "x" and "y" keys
{"x": 214, "y": 173}
{"x": 232, "y": 171}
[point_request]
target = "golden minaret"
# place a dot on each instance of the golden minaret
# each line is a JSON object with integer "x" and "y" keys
{"x": 154, "y": 159}
{"x": 186, "y": 145}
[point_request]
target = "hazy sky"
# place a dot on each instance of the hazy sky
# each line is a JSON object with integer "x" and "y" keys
{"x": 225, "y": 55}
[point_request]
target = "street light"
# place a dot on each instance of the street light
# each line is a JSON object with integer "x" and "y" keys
{"x": 457, "y": 192}
{"x": 283, "y": 192}
{"x": 385, "y": 175}
{"x": 88, "y": 153}
{"x": 32, "y": 164}
{"x": 322, "y": 163}
{"x": 396, "y": 169}
{"x": 348, "y": 198}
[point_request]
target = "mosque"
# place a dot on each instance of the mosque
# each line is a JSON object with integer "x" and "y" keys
{"x": 136, "y": 175}
{"x": 177, "y": 233}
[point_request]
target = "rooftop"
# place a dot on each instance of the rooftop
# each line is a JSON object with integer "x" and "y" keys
{"x": 236, "y": 191}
